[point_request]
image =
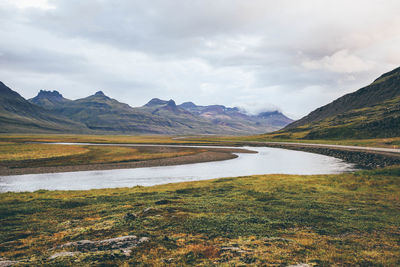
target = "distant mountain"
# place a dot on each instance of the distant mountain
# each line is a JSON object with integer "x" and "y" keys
{"x": 17, "y": 115}
{"x": 275, "y": 118}
{"x": 188, "y": 121}
{"x": 219, "y": 114}
{"x": 106, "y": 115}
{"x": 49, "y": 111}
{"x": 49, "y": 99}
{"x": 372, "y": 111}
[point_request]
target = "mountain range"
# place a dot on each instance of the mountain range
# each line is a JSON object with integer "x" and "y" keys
{"x": 49, "y": 111}
{"x": 370, "y": 112}
{"x": 17, "y": 115}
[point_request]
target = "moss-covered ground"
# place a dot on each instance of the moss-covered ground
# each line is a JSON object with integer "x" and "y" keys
{"x": 273, "y": 220}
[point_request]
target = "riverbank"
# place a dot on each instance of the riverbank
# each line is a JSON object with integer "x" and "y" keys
{"x": 362, "y": 157}
{"x": 348, "y": 219}
{"x": 147, "y": 157}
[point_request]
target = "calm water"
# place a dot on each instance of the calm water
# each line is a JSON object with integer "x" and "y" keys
{"x": 266, "y": 161}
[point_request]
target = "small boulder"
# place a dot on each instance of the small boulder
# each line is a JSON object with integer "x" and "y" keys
{"x": 82, "y": 245}
{"x": 150, "y": 211}
{"x": 233, "y": 249}
{"x": 6, "y": 263}
{"x": 63, "y": 254}
{"x": 123, "y": 243}
{"x": 277, "y": 239}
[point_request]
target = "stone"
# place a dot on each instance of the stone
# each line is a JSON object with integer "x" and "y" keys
{"x": 63, "y": 254}
{"x": 277, "y": 239}
{"x": 233, "y": 249}
{"x": 150, "y": 211}
{"x": 123, "y": 243}
{"x": 5, "y": 263}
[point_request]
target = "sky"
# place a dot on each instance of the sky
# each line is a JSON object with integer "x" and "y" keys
{"x": 293, "y": 56}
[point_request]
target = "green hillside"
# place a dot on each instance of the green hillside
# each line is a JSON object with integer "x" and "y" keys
{"x": 371, "y": 112}
{"x": 17, "y": 115}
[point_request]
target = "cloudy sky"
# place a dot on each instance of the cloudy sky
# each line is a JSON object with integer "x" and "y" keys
{"x": 258, "y": 55}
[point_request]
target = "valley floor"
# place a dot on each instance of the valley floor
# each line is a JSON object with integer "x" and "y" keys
{"x": 347, "y": 219}
{"x": 22, "y": 156}
{"x": 275, "y": 220}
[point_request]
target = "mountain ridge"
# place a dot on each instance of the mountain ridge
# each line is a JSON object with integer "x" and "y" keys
{"x": 370, "y": 112}
{"x": 99, "y": 113}
{"x": 19, "y": 115}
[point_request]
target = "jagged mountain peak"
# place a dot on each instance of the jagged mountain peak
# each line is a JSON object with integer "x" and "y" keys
{"x": 49, "y": 94}
{"x": 99, "y": 93}
{"x": 155, "y": 102}
{"x": 186, "y": 105}
{"x": 171, "y": 103}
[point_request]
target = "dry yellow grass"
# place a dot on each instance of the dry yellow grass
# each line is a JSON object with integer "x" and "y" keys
{"x": 14, "y": 151}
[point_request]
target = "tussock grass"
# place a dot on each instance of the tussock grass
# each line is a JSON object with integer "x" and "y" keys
{"x": 326, "y": 220}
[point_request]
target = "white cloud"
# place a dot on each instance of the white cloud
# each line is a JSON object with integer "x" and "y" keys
{"x": 295, "y": 55}
{"x": 341, "y": 62}
{"x": 42, "y": 4}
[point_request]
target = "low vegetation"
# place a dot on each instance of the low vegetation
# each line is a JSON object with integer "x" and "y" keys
{"x": 393, "y": 142}
{"x": 325, "y": 220}
{"x": 25, "y": 155}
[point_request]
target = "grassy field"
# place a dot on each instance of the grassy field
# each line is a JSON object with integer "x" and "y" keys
{"x": 103, "y": 139}
{"x": 324, "y": 220}
{"x": 24, "y": 155}
{"x": 393, "y": 142}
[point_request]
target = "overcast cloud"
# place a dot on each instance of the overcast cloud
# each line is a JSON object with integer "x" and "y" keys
{"x": 259, "y": 55}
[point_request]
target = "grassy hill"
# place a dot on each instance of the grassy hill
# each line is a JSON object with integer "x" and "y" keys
{"x": 370, "y": 112}
{"x": 17, "y": 115}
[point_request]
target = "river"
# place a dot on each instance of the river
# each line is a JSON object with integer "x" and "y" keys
{"x": 266, "y": 161}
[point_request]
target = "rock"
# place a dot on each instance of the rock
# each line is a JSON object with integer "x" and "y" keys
{"x": 233, "y": 249}
{"x": 130, "y": 216}
{"x": 277, "y": 239}
{"x": 169, "y": 260}
{"x": 144, "y": 239}
{"x": 82, "y": 245}
{"x": 150, "y": 211}
{"x": 124, "y": 243}
{"x": 5, "y": 263}
{"x": 63, "y": 254}
{"x": 300, "y": 265}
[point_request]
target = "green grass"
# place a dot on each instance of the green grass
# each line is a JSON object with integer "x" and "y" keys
{"x": 393, "y": 142}
{"x": 378, "y": 121}
{"x": 326, "y": 220}
{"x": 22, "y": 155}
